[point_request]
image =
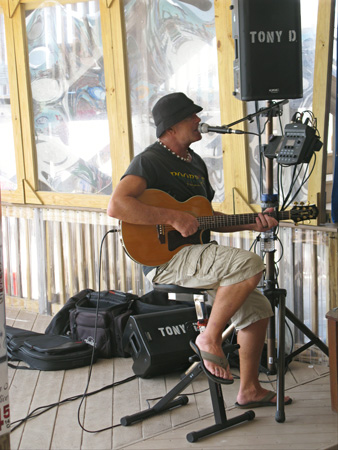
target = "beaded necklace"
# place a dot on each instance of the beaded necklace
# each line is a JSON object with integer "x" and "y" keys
{"x": 188, "y": 158}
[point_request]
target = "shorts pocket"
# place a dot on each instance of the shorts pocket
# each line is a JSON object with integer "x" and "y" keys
{"x": 200, "y": 259}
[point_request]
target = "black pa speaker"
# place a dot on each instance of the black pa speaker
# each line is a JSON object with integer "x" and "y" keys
{"x": 268, "y": 49}
{"x": 159, "y": 342}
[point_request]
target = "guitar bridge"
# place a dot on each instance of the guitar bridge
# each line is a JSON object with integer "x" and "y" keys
{"x": 161, "y": 233}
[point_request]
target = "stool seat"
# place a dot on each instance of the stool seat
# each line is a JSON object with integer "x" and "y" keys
{"x": 178, "y": 289}
{"x": 199, "y": 296}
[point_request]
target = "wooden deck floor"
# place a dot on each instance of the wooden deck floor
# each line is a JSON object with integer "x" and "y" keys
{"x": 310, "y": 422}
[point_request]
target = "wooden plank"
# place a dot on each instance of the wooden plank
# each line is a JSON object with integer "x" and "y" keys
{"x": 28, "y": 253}
{"x": 235, "y": 164}
{"x": 321, "y": 98}
{"x": 115, "y": 68}
{"x": 102, "y": 375}
{"x": 17, "y": 195}
{"x": 11, "y": 315}
{"x": 184, "y": 413}
{"x": 333, "y": 271}
{"x": 25, "y": 99}
{"x": 309, "y": 421}
{"x": 50, "y": 286}
{"x": 123, "y": 138}
{"x": 47, "y": 391}
{"x": 67, "y": 432}
{"x": 89, "y": 253}
{"x": 25, "y": 319}
{"x": 69, "y": 262}
{"x": 125, "y": 404}
{"x": 60, "y": 262}
{"x": 80, "y": 257}
{"x": 21, "y": 392}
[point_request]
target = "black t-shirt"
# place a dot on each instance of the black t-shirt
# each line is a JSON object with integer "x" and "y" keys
{"x": 164, "y": 171}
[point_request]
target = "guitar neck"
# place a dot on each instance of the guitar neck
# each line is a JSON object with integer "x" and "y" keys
{"x": 229, "y": 220}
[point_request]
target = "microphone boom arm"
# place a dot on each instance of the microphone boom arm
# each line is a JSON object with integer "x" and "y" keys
{"x": 261, "y": 111}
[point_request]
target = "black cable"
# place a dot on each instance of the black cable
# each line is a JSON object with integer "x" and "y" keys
{"x": 95, "y": 333}
{"x": 46, "y": 408}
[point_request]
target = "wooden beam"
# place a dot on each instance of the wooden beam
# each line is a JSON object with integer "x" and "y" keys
{"x": 116, "y": 74}
{"x": 12, "y": 6}
{"x": 4, "y": 5}
{"x": 25, "y": 98}
{"x": 321, "y": 97}
{"x": 16, "y": 196}
{"x": 236, "y": 173}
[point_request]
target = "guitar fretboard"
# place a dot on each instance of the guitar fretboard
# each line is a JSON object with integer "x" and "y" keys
{"x": 207, "y": 222}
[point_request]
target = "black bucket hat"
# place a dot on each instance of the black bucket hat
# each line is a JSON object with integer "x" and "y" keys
{"x": 171, "y": 109}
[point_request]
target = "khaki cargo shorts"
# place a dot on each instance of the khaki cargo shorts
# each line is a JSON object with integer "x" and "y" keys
{"x": 210, "y": 266}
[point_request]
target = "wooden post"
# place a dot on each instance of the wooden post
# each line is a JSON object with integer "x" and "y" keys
{"x": 5, "y": 423}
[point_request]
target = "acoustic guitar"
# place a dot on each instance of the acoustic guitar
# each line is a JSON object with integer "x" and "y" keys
{"x": 152, "y": 245}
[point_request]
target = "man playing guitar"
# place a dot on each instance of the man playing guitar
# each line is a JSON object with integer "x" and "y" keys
{"x": 172, "y": 167}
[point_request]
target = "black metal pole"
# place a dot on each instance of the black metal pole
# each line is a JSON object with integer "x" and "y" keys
{"x": 270, "y": 259}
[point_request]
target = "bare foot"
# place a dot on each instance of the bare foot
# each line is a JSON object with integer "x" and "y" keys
{"x": 215, "y": 349}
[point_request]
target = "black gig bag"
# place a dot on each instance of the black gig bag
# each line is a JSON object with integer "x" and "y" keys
{"x": 60, "y": 323}
{"x": 100, "y": 319}
{"x": 47, "y": 352}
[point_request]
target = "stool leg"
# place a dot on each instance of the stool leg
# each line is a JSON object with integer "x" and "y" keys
{"x": 221, "y": 420}
{"x": 201, "y": 311}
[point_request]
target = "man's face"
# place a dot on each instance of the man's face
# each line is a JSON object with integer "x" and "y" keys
{"x": 186, "y": 131}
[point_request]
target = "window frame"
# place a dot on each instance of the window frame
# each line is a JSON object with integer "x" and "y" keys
{"x": 235, "y": 164}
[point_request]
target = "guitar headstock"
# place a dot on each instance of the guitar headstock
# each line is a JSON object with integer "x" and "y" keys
{"x": 299, "y": 213}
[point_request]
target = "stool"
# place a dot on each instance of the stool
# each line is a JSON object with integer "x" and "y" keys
{"x": 169, "y": 401}
{"x": 199, "y": 296}
{"x": 332, "y": 326}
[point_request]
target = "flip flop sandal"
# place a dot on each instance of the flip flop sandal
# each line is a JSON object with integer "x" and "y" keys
{"x": 222, "y": 362}
{"x": 265, "y": 401}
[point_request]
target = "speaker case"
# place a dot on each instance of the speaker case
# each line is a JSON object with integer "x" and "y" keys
{"x": 268, "y": 49}
{"x": 159, "y": 342}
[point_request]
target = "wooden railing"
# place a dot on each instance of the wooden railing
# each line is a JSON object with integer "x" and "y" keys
{"x": 50, "y": 254}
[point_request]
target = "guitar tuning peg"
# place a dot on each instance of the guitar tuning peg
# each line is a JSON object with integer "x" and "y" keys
{"x": 301, "y": 203}
{"x": 295, "y": 203}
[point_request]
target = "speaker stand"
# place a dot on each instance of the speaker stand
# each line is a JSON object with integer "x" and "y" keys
{"x": 169, "y": 401}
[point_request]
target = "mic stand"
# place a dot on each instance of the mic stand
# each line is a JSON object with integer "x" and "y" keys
{"x": 276, "y": 360}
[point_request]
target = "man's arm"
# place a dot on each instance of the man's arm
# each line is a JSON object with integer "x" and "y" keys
{"x": 124, "y": 205}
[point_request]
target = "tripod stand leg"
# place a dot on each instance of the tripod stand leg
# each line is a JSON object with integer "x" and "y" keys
{"x": 280, "y": 414}
{"x": 314, "y": 340}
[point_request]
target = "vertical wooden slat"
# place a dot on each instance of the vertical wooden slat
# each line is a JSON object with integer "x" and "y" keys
{"x": 49, "y": 263}
{"x": 59, "y": 261}
{"x": 117, "y": 86}
{"x": 69, "y": 262}
{"x": 28, "y": 258}
{"x": 89, "y": 250}
{"x": 332, "y": 279}
{"x": 80, "y": 253}
{"x": 236, "y": 174}
{"x": 18, "y": 194}
{"x": 25, "y": 99}
{"x": 321, "y": 98}
{"x": 311, "y": 239}
{"x": 16, "y": 232}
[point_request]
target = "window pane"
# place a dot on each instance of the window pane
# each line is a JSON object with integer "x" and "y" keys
{"x": 69, "y": 100}
{"x": 8, "y": 179}
{"x": 174, "y": 49}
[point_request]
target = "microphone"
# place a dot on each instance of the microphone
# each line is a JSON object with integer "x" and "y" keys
{"x": 205, "y": 128}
